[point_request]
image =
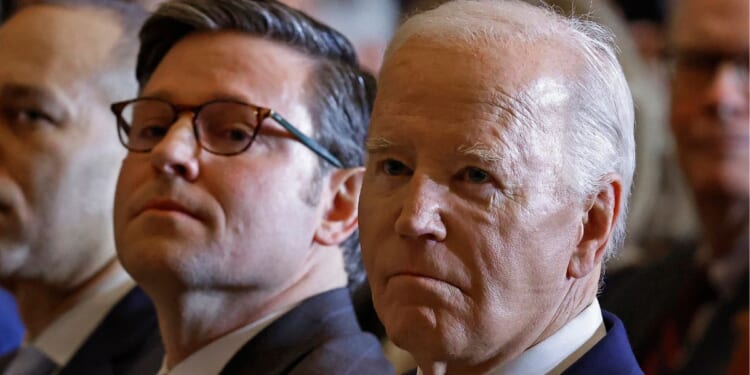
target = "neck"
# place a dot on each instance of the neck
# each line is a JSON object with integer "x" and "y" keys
{"x": 41, "y": 303}
{"x": 190, "y": 319}
{"x": 724, "y": 221}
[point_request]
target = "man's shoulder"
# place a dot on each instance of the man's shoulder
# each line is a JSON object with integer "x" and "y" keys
{"x": 319, "y": 336}
{"x": 611, "y": 355}
{"x": 119, "y": 341}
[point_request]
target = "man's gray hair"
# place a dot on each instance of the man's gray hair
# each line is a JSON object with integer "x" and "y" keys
{"x": 600, "y": 136}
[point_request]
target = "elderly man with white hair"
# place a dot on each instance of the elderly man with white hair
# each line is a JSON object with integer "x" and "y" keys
{"x": 500, "y": 160}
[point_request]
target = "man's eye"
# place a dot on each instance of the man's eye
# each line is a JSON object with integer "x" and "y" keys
{"x": 152, "y": 132}
{"x": 475, "y": 175}
{"x": 236, "y": 135}
{"x": 394, "y": 168}
{"x": 29, "y": 116}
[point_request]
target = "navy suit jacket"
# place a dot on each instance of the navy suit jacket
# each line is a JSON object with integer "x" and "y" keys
{"x": 117, "y": 343}
{"x": 612, "y": 355}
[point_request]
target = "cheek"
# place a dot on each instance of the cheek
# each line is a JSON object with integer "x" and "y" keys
{"x": 683, "y": 108}
{"x": 377, "y": 217}
{"x": 132, "y": 170}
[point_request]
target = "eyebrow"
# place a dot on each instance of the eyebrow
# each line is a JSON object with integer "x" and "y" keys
{"x": 481, "y": 151}
{"x": 166, "y": 95}
{"x": 16, "y": 91}
{"x": 378, "y": 144}
{"x": 12, "y": 92}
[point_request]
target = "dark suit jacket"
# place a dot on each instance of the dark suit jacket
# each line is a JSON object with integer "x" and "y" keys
{"x": 645, "y": 298}
{"x": 117, "y": 343}
{"x": 320, "y": 336}
{"x": 611, "y": 355}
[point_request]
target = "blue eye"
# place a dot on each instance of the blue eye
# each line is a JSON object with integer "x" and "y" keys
{"x": 476, "y": 175}
{"x": 394, "y": 167}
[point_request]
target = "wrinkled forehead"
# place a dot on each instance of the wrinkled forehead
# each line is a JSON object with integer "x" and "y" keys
{"x": 509, "y": 79}
{"x": 69, "y": 44}
{"x": 509, "y": 103}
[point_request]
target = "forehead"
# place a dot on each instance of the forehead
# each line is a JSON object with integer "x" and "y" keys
{"x": 471, "y": 93}
{"x": 224, "y": 65}
{"x": 69, "y": 46}
{"x": 711, "y": 24}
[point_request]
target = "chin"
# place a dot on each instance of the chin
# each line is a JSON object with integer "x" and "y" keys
{"x": 419, "y": 331}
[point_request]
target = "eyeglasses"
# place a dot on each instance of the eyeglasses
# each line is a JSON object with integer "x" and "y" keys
{"x": 221, "y": 127}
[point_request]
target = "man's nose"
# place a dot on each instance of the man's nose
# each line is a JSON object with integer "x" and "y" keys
{"x": 176, "y": 155}
{"x": 728, "y": 91}
{"x": 420, "y": 215}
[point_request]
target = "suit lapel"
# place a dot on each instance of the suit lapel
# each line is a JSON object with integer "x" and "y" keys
{"x": 612, "y": 355}
{"x": 119, "y": 338}
{"x": 284, "y": 343}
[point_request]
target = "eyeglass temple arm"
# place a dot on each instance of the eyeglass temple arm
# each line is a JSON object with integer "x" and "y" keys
{"x": 307, "y": 141}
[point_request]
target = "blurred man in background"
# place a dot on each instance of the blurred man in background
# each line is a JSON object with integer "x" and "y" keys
{"x": 62, "y": 64}
{"x": 689, "y": 319}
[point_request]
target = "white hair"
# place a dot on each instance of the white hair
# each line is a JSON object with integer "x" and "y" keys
{"x": 600, "y": 134}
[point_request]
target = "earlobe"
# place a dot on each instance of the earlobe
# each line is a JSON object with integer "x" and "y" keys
{"x": 340, "y": 218}
{"x": 597, "y": 227}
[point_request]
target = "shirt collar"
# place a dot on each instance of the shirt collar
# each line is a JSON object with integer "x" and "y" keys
{"x": 559, "y": 351}
{"x": 211, "y": 358}
{"x": 65, "y": 335}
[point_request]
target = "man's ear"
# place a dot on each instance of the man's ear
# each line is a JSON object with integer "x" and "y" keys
{"x": 597, "y": 227}
{"x": 340, "y": 218}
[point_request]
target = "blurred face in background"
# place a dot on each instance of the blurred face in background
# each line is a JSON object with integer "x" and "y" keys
{"x": 59, "y": 153}
{"x": 710, "y": 95}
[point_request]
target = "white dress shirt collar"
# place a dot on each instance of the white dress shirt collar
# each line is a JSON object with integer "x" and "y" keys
{"x": 211, "y": 358}
{"x": 558, "y": 352}
{"x": 62, "y": 339}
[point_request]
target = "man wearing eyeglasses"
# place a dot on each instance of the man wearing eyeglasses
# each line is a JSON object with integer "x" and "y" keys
{"x": 691, "y": 317}
{"x": 240, "y": 187}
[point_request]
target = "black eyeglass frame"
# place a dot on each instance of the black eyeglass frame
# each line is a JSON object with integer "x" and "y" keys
{"x": 262, "y": 114}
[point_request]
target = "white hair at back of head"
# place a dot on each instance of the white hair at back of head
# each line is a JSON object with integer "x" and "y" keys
{"x": 600, "y": 137}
